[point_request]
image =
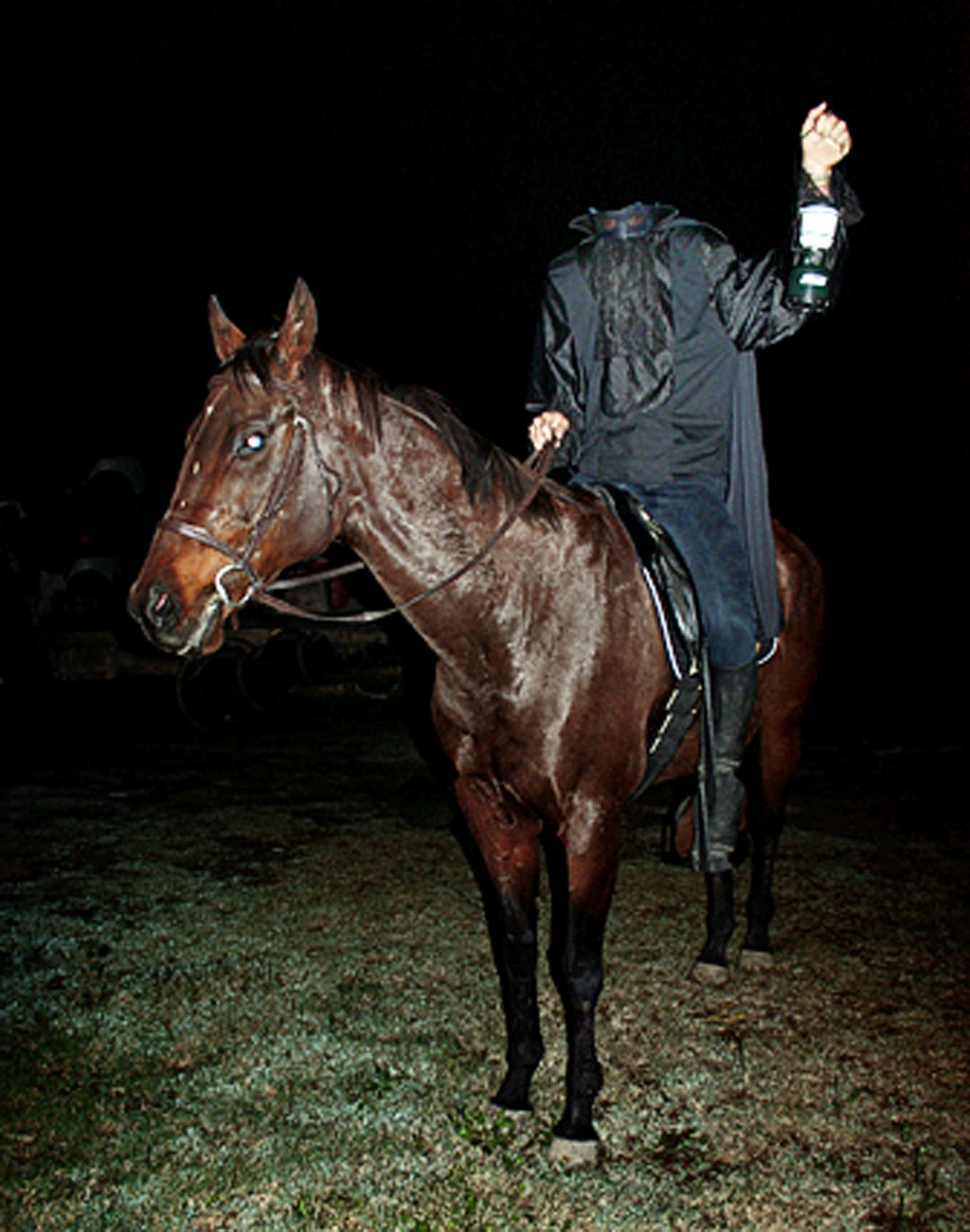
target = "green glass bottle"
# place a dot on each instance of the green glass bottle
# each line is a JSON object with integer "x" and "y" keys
{"x": 809, "y": 283}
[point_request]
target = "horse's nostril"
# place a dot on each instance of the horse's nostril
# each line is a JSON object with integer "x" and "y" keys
{"x": 161, "y": 609}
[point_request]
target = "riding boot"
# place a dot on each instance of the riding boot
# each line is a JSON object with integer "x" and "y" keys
{"x": 732, "y": 697}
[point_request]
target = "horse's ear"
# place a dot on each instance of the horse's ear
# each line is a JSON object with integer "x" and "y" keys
{"x": 225, "y": 336}
{"x": 298, "y": 332}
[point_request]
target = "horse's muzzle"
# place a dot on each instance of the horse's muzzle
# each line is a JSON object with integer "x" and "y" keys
{"x": 157, "y": 612}
{"x": 161, "y": 618}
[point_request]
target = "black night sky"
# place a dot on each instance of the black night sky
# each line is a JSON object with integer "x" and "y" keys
{"x": 419, "y": 169}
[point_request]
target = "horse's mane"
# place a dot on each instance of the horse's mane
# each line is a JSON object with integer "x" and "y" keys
{"x": 488, "y": 473}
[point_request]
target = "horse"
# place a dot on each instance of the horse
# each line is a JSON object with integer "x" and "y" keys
{"x": 551, "y": 674}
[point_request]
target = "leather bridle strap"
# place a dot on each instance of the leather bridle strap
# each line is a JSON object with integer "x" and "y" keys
{"x": 240, "y": 559}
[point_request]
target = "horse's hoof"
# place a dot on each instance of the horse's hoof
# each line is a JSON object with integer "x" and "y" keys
{"x": 518, "y": 1118}
{"x": 756, "y": 961}
{"x": 573, "y": 1153}
{"x": 714, "y": 975}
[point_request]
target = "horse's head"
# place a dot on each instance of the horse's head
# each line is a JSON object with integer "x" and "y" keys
{"x": 254, "y": 494}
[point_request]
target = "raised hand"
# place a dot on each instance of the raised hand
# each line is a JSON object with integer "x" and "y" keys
{"x": 826, "y": 140}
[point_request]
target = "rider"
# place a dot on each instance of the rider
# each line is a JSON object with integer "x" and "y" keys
{"x": 644, "y": 376}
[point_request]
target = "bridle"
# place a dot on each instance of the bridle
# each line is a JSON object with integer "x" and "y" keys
{"x": 241, "y": 559}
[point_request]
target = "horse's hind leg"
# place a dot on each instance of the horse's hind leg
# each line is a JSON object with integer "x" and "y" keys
{"x": 756, "y": 952}
{"x": 773, "y": 761}
{"x": 711, "y": 964}
{"x": 509, "y": 851}
{"x": 785, "y": 687}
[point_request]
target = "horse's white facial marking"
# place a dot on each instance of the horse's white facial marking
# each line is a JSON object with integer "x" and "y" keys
{"x": 204, "y": 627}
{"x": 210, "y": 408}
{"x": 196, "y": 467}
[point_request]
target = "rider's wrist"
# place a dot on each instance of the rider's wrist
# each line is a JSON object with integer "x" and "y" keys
{"x": 820, "y": 177}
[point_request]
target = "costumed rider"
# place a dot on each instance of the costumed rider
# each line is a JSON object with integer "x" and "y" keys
{"x": 644, "y": 378}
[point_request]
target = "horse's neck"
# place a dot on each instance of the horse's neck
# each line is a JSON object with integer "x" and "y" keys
{"x": 413, "y": 524}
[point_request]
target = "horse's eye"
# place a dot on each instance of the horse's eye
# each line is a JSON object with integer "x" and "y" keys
{"x": 250, "y": 443}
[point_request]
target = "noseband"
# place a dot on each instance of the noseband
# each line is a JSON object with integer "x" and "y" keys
{"x": 241, "y": 559}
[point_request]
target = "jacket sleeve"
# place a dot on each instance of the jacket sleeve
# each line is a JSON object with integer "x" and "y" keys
{"x": 750, "y": 295}
{"x": 557, "y": 379}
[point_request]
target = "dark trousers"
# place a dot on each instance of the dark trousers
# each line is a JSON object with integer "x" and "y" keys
{"x": 694, "y": 514}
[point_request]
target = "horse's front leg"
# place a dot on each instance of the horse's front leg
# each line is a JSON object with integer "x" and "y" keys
{"x": 509, "y": 850}
{"x": 583, "y": 875}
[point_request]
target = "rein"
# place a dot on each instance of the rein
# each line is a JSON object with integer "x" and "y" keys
{"x": 258, "y": 590}
{"x": 539, "y": 463}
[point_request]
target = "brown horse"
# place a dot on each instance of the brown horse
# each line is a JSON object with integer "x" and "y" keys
{"x": 551, "y": 674}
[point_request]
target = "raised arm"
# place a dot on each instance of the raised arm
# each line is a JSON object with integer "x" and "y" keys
{"x": 750, "y": 295}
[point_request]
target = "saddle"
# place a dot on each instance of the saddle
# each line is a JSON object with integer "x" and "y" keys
{"x": 675, "y": 603}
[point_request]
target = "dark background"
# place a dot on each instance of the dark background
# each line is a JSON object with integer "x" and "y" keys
{"x": 419, "y": 169}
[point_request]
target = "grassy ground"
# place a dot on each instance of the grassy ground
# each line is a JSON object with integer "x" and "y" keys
{"x": 245, "y": 984}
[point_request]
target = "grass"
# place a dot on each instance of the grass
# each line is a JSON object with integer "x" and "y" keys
{"x": 242, "y": 991}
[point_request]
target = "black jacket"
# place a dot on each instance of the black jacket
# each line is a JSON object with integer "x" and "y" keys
{"x": 646, "y": 345}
